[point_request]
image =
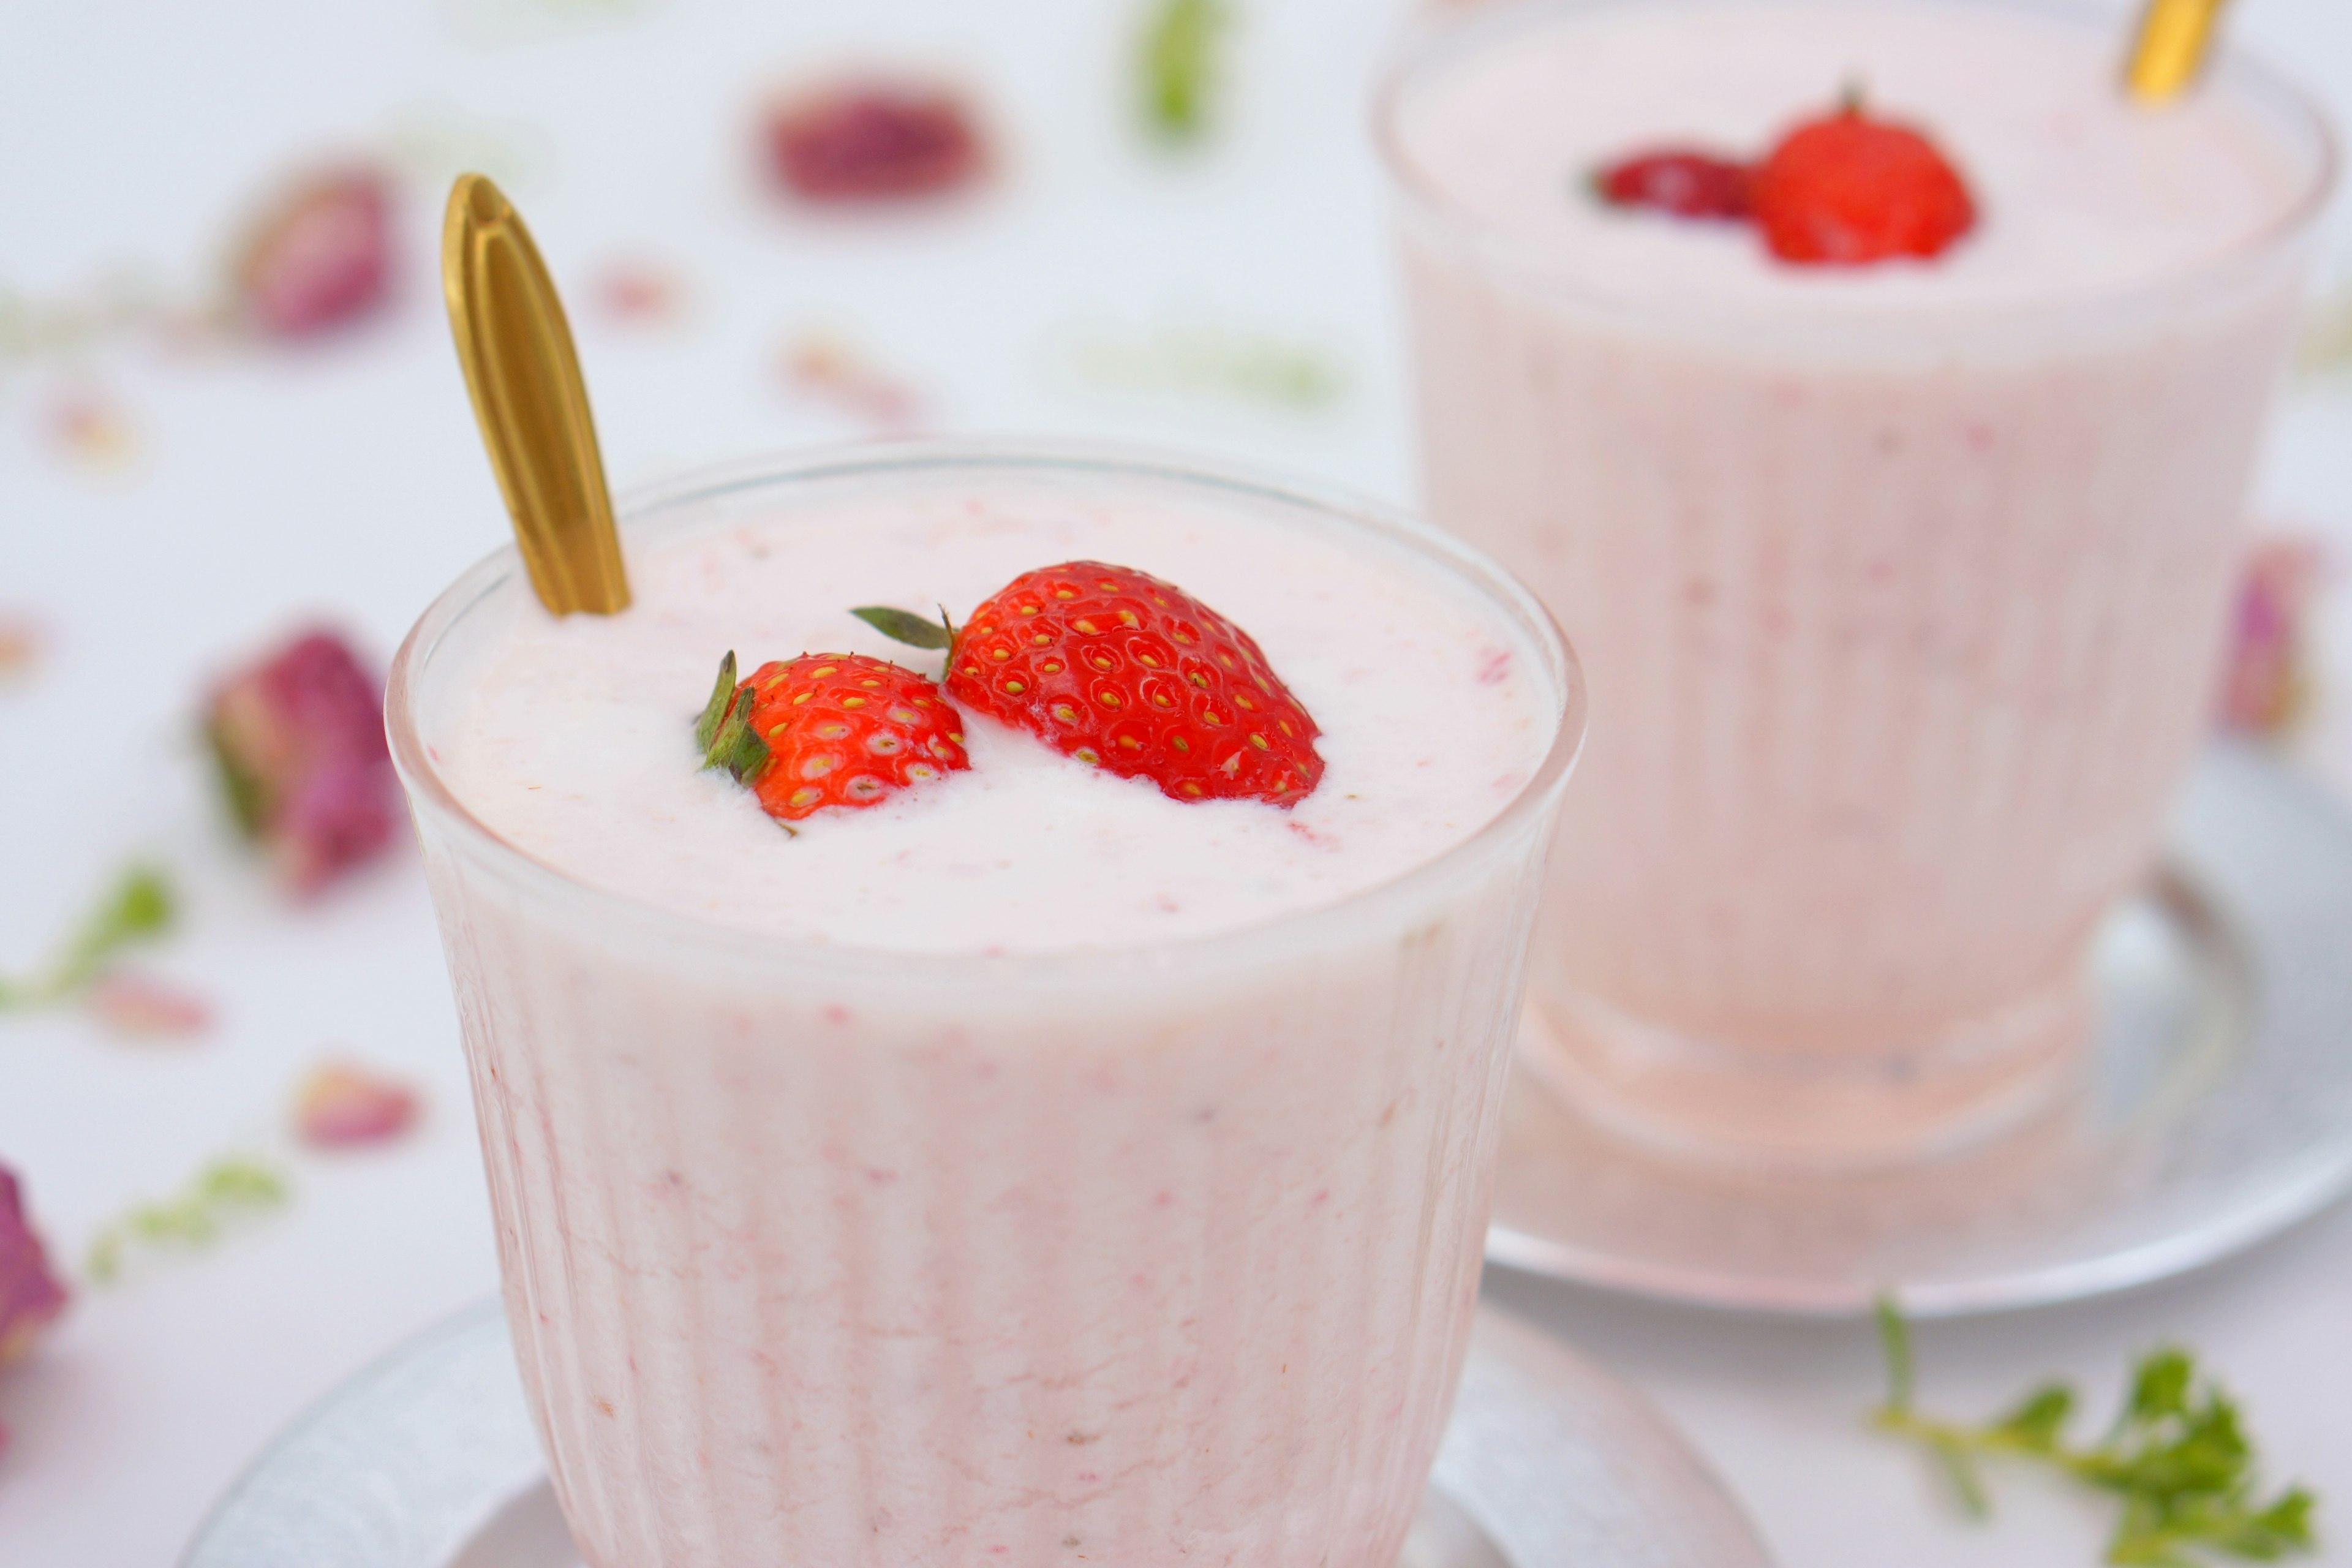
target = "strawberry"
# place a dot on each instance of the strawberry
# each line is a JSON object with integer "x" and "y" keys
{"x": 1678, "y": 180}
{"x": 1846, "y": 190}
{"x": 828, "y": 729}
{"x": 1131, "y": 675}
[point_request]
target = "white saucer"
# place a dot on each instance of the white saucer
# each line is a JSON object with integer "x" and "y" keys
{"x": 427, "y": 1459}
{"x": 2219, "y": 1111}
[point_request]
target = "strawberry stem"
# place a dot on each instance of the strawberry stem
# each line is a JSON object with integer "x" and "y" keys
{"x": 724, "y": 731}
{"x": 906, "y": 626}
{"x": 706, "y": 729}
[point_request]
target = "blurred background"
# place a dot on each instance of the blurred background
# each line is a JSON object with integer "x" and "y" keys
{"x": 229, "y": 410}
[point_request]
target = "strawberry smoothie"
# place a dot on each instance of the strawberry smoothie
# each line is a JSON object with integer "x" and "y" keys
{"x": 1901, "y": 587}
{"x": 1029, "y": 1167}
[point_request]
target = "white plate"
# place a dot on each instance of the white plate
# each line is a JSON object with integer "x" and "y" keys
{"x": 427, "y": 1459}
{"x": 2218, "y": 1111}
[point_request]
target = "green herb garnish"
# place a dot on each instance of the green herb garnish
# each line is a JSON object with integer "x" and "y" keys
{"x": 139, "y": 907}
{"x": 2177, "y": 1458}
{"x": 1179, "y": 66}
{"x": 195, "y": 1217}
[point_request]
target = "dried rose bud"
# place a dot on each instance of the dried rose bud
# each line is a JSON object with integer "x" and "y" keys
{"x": 149, "y": 1008}
{"x": 2266, "y": 685}
{"x": 319, "y": 257}
{"x": 21, "y": 642}
{"x": 300, "y": 740}
{"x": 863, "y": 141}
{"x": 341, "y": 1106}
{"x": 31, "y": 1296}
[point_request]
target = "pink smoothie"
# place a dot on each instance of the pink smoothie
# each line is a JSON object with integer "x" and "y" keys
{"x": 1032, "y": 1169}
{"x": 1900, "y": 587}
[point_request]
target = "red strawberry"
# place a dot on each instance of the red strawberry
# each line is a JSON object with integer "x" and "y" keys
{"x": 1847, "y": 190}
{"x": 320, "y": 256}
{"x": 1131, "y": 675}
{"x": 1678, "y": 180}
{"x": 878, "y": 140}
{"x": 828, "y": 729}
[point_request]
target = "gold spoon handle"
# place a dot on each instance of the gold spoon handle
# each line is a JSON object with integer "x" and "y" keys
{"x": 531, "y": 402}
{"x": 2175, "y": 36}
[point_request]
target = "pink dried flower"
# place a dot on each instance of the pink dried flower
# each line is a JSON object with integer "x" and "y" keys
{"x": 872, "y": 140}
{"x": 341, "y": 1106}
{"x": 142, "y": 1005}
{"x": 2266, "y": 686}
{"x": 300, "y": 740}
{"x": 635, "y": 293}
{"x": 320, "y": 256}
{"x": 825, "y": 367}
{"x": 31, "y": 1294}
{"x": 21, "y": 643}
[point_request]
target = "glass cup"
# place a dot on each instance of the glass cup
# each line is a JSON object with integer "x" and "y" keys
{"x": 1903, "y": 630}
{"x": 1142, "y": 1254}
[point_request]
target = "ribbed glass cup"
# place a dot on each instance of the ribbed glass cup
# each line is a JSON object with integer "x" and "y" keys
{"x": 1902, "y": 626}
{"x": 1152, "y": 1255}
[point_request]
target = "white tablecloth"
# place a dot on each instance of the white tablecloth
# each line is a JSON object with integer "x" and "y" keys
{"x": 255, "y": 486}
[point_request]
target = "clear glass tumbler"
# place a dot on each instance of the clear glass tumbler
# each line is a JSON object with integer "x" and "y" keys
{"x": 1136, "y": 1254}
{"x": 1902, "y": 628}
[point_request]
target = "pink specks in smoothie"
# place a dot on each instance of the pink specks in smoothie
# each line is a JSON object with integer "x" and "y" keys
{"x": 1164, "y": 1199}
{"x": 1321, "y": 1197}
{"x": 881, "y": 1177}
{"x": 1699, "y": 593}
{"x": 1089, "y": 1477}
{"x": 1320, "y": 839}
{"x": 1879, "y": 572}
{"x": 1494, "y": 668}
{"x": 836, "y": 1014}
{"x": 1978, "y": 434}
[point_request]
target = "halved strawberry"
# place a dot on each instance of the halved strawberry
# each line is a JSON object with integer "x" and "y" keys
{"x": 828, "y": 729}
{"x": 1129, "y": 674}
{"x": 1683, "y": 181}
{"x": 1847, "y": 190}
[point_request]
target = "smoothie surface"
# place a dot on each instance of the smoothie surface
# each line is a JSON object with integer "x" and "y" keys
{"x": 2078, "y": 190}
{"x": 572, "y": 738}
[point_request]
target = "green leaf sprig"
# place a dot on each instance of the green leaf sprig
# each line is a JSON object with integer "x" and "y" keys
{"x": 1179, "y": 66}
{"x": 2177, "y": 1458}
{"x": 139, "y": 907}
{"x": 226, "y": 1190}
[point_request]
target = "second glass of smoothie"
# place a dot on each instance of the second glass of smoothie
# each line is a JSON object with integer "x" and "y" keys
{"x": 1901, "y": 588}
{"x": 1032, "y": 1168}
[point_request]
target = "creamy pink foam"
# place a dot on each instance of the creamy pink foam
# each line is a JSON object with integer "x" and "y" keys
{"x": 1900, "y": 588}
{"x": 576, "y": 744}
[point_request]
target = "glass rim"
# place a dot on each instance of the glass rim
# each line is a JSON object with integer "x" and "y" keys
{"x": 1429, "y": 43}
{"x": 430, "y": 794}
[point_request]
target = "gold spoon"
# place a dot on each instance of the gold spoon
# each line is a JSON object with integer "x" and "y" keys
{"x": 530, "y": 401}
{"x": 2175, "y": 36}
